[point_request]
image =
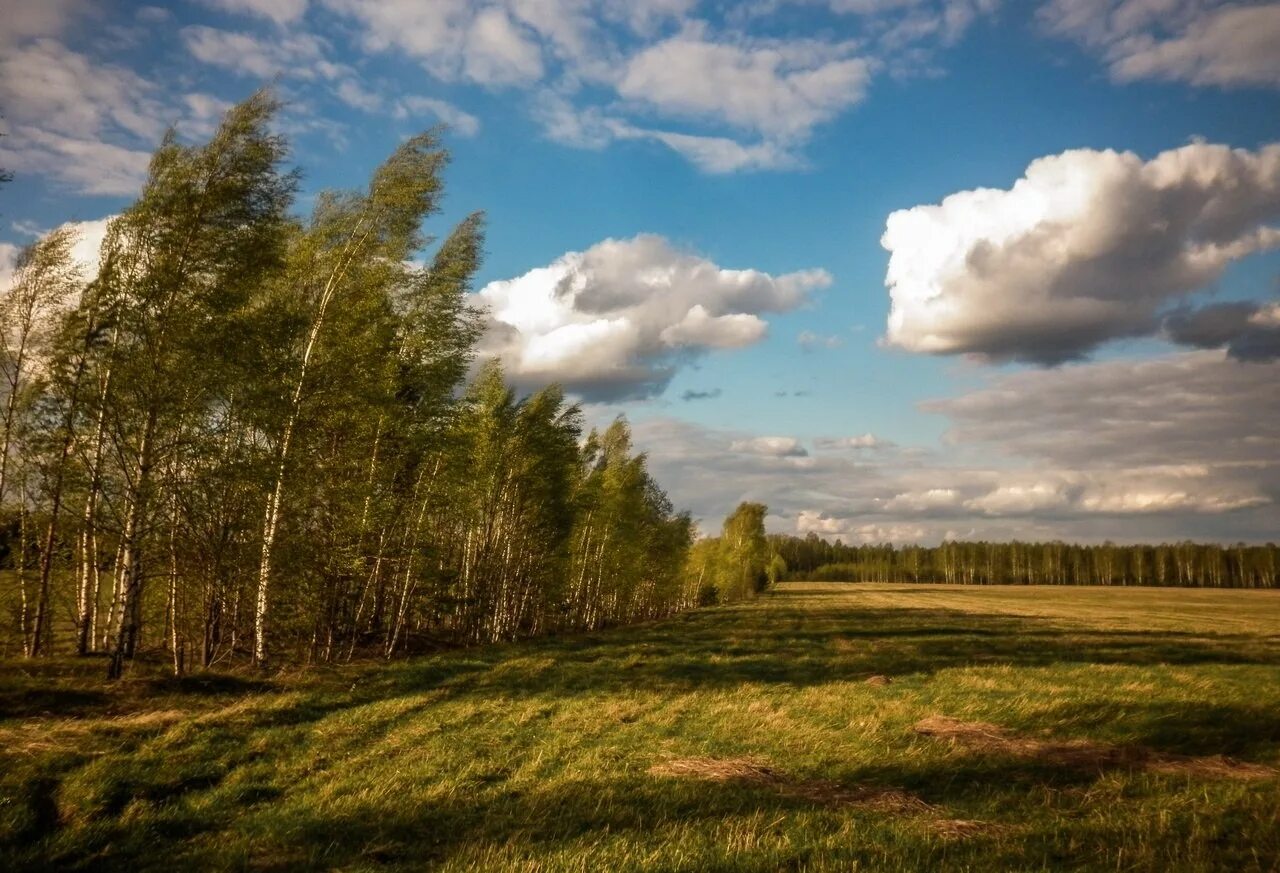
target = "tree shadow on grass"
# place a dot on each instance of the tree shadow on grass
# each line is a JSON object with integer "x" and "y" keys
{"x": 1241, "y": 731}
{"x": 538, "y": 819}
{"x": 802, "y": 647}
{"x": 71, "y": 687}
{"x": 421, "y": 834}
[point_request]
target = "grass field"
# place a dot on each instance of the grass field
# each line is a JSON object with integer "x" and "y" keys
{"x": 824, "y": 727}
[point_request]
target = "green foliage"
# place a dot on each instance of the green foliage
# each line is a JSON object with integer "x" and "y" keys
{"x": 982, "y": 563}
{"x": 737, "y": 565}
{"x": 251, "y": 438}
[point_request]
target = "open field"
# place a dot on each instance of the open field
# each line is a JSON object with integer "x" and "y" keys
{"x": 1002, "y": 728}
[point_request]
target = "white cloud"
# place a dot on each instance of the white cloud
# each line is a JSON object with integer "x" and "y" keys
{"x": 854, "y": 532}
{"x": 592, "y": 128}
{"x": 770, "y": 446}
{"x": 1088, "y": 246}
{"x": 414, "y": 106}
{"x": 1020, "y": 499}
{"x": 45, "y": 84}
{"x": 89, "y": 126}
{"x": 355, "y": 95}
{"x": 715, "y": 154}
{"x": 911, "y": 502}
{"x": 779, "y": 90}
{"x": 453, "y": 39}
{"x": 499, "y": 53}
{"x": 300, "y": 55}
{"x": 617, "y": 319}
{"x": 24, "y": 19}
{"x": 1204, "y": 43}
{"x": 89, "y": 166}
{"x": 861, "y": 441}
{"x": 700, "y": 328}
{"x": 282, "y": 12}
{"x": 84, "y": 251}
{"x": 809, "y": 341}
{"x": 610, "y": 70}
{"x": 1186, "y": 446}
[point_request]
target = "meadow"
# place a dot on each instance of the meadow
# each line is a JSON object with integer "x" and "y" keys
{"x": 823, "y": 726}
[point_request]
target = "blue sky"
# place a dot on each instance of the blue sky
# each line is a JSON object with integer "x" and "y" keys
{"x": 713, "y": 181}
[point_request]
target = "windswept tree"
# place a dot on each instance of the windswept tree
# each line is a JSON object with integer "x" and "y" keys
{"x": 366, "y": 322}
{"x": 247, "y": 438}
{"x": 181, "y": 262}
{"x": 45, "y": 279}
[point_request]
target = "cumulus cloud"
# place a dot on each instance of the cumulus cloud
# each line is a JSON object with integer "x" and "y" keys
{"x": 84, "y": 251}
{"x": 927, "y": 501}
{"x": 854, "y": 532}
{"x": 1019, "y": 499}
{"x": 770, "y": 446}
{"x": 780, "y": 90}
{"x": 1213, "y": 43}
{"x": 1248, "y": 331}
{"x": 1086, "y": 247}
{"x": 861, "y": 441}
{"x": 617, "y": 319}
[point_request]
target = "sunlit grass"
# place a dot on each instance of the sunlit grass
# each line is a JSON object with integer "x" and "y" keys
{"x": 538, "y": 756}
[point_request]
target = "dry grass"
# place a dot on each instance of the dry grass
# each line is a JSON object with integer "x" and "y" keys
{"x": 1086, "y": 754}
{"x": 747, "y": 771}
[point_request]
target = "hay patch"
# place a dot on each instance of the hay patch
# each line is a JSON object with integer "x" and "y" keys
{"x": 960, "y": 828}
{"x": 1085, "y": 754}
{"x": 748, "y": 771}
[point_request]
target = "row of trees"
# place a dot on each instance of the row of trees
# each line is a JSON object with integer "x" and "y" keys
{"x": 1055, "y": 563}
{"x": 245, "y": 436}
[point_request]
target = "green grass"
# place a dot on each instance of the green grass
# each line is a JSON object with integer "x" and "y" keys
{"x": 536, "y": 756}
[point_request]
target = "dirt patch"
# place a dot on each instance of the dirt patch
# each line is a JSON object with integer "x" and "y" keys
{"x": 747, "y": 771}
{"x": 1085, "y": 754}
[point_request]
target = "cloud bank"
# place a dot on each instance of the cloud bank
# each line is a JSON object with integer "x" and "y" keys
{"x": 1088, "y": 246}
{"x": 1186, "y": 445}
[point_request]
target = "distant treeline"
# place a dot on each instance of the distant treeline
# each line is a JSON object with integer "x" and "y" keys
{"x": 982, "y": 563}
{"x": 245, "y": 437}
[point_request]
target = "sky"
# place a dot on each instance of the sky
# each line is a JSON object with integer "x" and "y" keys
{"x": 903, "y": 270}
